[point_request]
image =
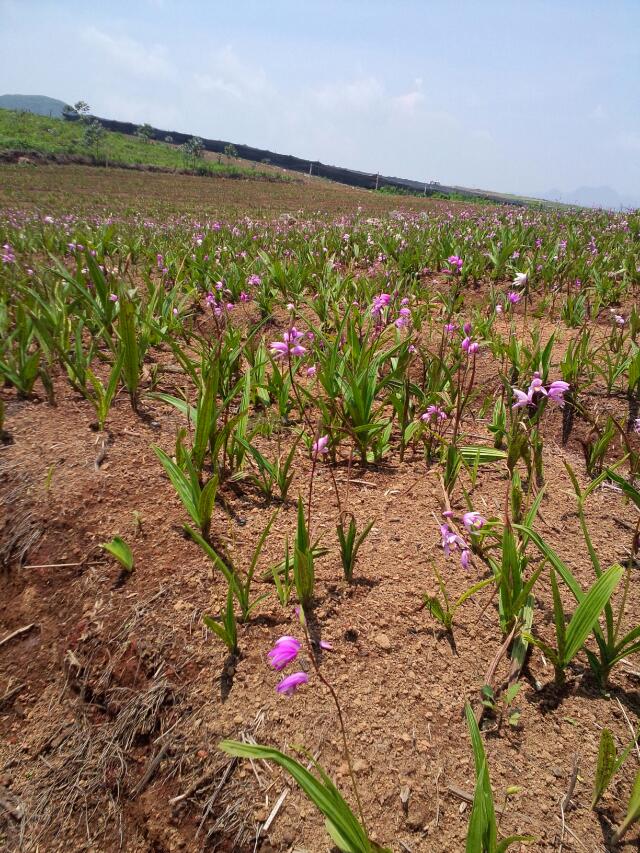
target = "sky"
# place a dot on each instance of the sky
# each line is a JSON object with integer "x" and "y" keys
{"x": 517, "y": 96}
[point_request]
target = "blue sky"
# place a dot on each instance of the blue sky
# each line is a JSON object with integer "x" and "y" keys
{"x": 518, "y": 96}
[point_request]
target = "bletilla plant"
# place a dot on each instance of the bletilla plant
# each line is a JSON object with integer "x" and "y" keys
{"x": 348, "y": 832}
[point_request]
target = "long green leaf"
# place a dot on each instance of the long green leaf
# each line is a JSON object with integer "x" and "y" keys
{"x": 346, "y": 829}
{"x": 589, "y": 609}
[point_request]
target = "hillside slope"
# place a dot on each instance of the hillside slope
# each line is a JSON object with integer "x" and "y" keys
{"x": 39, "y": 104}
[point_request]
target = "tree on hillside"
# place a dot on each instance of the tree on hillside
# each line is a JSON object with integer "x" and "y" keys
{"x": 192, "y": 150}
{"x": 94, "y": 135}
{"x": 230, "y": 150}
{"x": 80, "y": 110}
{"x": 145, "y": 132}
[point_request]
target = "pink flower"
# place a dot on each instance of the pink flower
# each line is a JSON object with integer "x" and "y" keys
{"x": 244, "y": 297}
{"x": 285, "y": 650}
{"x": 289, "y": 345}
{"x": 557, "y": 390}
{"x": 450, "y": 328}
{"x": 404, "y": 318}
{"x": 321, "y": 445}
{"x": 456, "y": 262}
{"x": 290, "y": 684}
{"x": 451, "y": 541}
{"x": 537, "y": 391}
{"x": 113, "y": 297}
{"x": 380, "y": 303}
{"x": 469, "y": 346}
{"x": 434, "y": 412}
{"x": 311, "y": 371}
{"x": 473, "y": 521}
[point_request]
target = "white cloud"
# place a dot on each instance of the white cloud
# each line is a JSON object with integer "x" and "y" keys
{"x": 227, "y": 73}
{"x": 361, "y": 95}
{"x": 409, "y": 102}
{"x": 130, "y": 55}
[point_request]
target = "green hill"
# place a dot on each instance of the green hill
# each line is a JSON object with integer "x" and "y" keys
{"x": 38, "y": 104}
{"x": 65, "y": 140}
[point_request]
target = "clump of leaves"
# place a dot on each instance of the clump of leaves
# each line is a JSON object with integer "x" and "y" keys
{"x": 119, "y": 549}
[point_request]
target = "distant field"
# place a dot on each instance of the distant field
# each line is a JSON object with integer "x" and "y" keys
{"x": 21, "y": 131}
{"x": 87, "y": 189}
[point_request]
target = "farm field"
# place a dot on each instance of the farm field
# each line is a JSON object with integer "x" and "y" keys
{"x": 292, "y": 464}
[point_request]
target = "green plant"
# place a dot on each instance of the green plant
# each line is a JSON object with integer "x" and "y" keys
{"x": 239, "y": 584}
{"x": 482, "y": 832}
{"x": 343, "y": 827}
{"x": 570, "y": 638}
{"x": 119, "y": 549}
{"x": 442, "y": 608}
{"x": 609, "y": 762}
{"x": 350, "y": 543}
{"x": 103, "y": 395}
{"x": 226, "y": 628}
{"x": 633, "y": 811}
{"x": 198, "y": 500}
{"x": 272, "y": 474}
{"x": 303, "y": 569}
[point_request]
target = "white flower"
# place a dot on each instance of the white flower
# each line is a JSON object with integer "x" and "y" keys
{"x": 521, "y": 279}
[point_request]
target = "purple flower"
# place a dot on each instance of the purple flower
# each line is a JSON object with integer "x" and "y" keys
{"x": 404, "y": 318}
{"x": 434, "y": 412}
{"x": 321, "y": 445}
{"x": 522, "y": 399}
{"x": 469, "y": 346}
{"x": 113, "y": 297}
{"x": 473, "y": 521}
{"x": 380, "y": 303}
{"x": 290, "y": 684}
{"x": 537, "y": 391}
{"x": 450, "y": 328}
{"x": 557, "y": 390}
{"x": 451, "y": 540}
{"x": 513, "y": 297}
{"x": 636, "y": 426}
{"x": 285, "y": 650}
{"x": 254, "y": 280}
{"x": 311, "y": 371}
{"x": 289, "y": 345}
{"x": 465, "y": 558}
{"x": 456, "y": 262}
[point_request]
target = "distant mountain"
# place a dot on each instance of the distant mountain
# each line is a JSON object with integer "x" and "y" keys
{"x": 605, "y": 197}
{"x": 38, "y": 104}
